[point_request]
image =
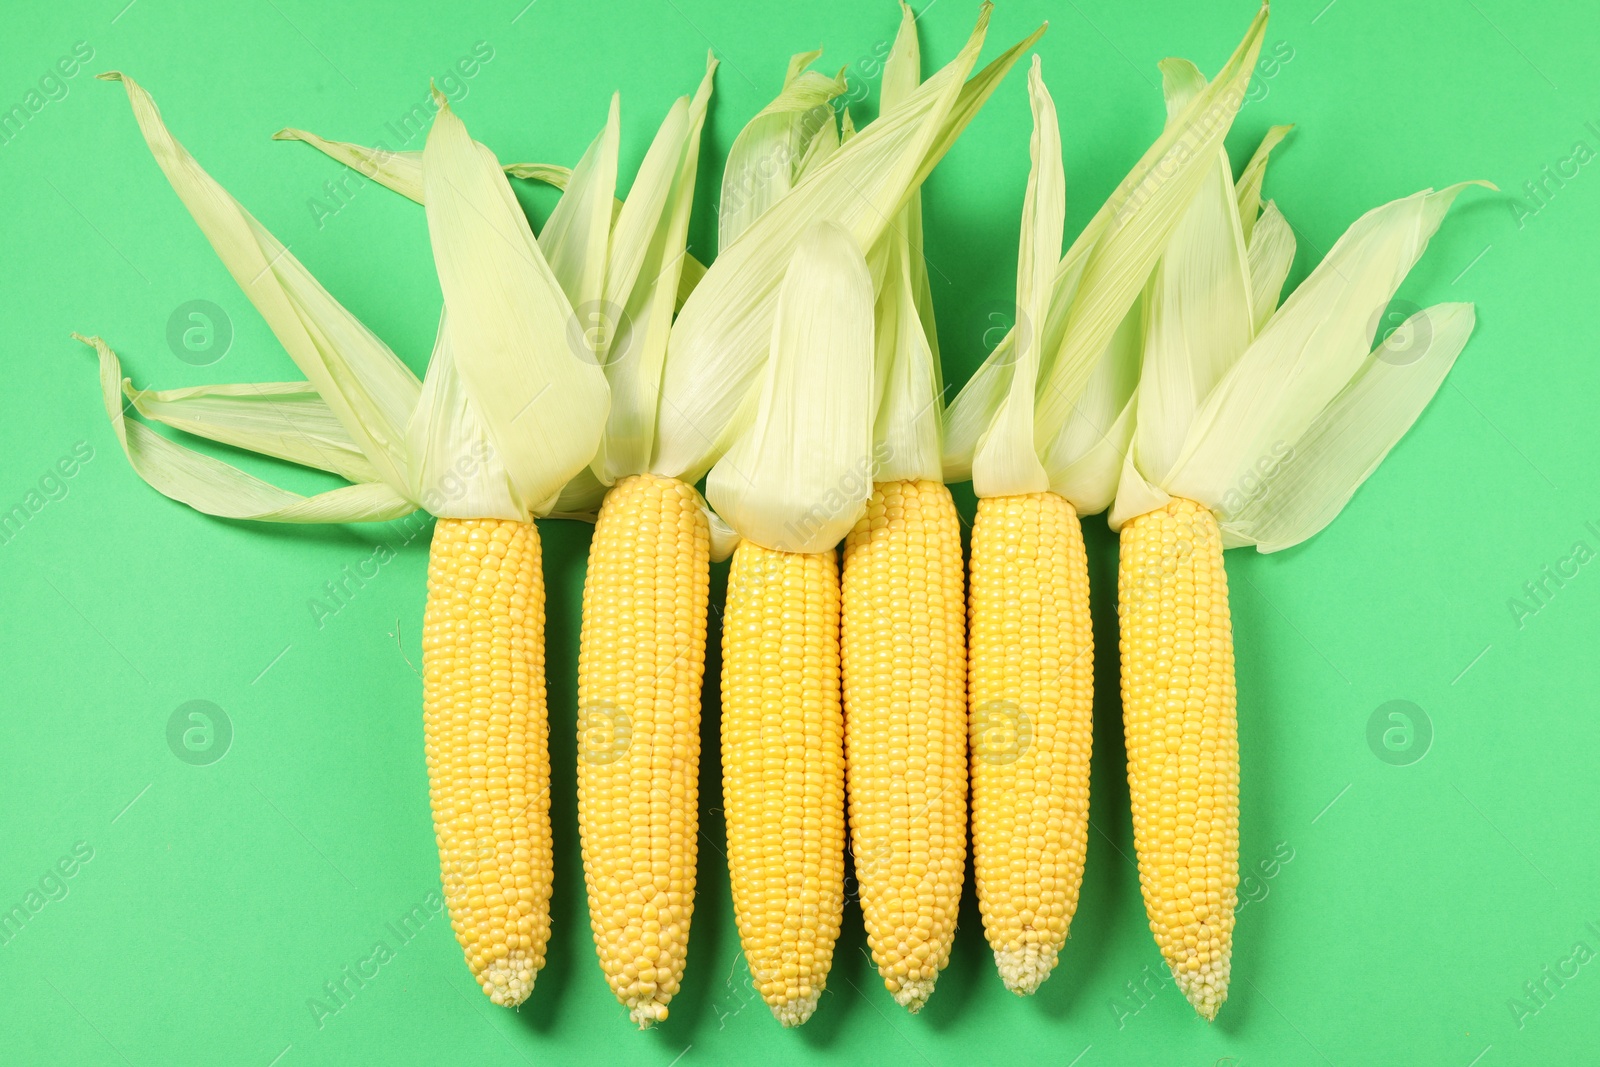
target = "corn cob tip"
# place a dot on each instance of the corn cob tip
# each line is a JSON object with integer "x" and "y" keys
{"x": 1024, "y": 969}
{"x": 794, "y": 1012}
{"x": 508, "y": 980}
{"x": 912, "y": 995}
{"x": 647, "y": 1013}
{"x": 1206, "y": 988}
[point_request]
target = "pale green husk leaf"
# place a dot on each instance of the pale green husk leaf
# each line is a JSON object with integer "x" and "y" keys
{"x": 1129, "y": 233}
{"x": 457, "y": 454}
{"x": 402, "y": 172}
{"x": 542, "y": 404}
{"x": 1085, "y": 458}
{"x": 367, "y": 387}
{"x": 399, "y": 171}
{"x": 1255, "y": 172}
{"x": 1198, "y": 303}
{"x": 1181, "y": 82}
{"x": 1100, "y": 277}
{"x": 581, "y": 497}
{"x": 455, "y": 469}
{"x": 1307, "y": 353}
{"x": 1303, "y": 491}
{"x": 907, "y": 431}
{"x": 823, "y": 145}
{"x": 722, "y": 336}
{"x": 217, "y": 488}
{"x": 285, "y": 420}
{"x": 647, "y": 256}
{"x": 576, "y": 239}
{"x": 798, "y": 477}
{"x": 1007, "y": 461}
{"x": 764, "y": 161}
{"x": 1271, "y": 255}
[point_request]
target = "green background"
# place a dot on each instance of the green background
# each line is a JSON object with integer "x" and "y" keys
{"x": 1422, "y": 893}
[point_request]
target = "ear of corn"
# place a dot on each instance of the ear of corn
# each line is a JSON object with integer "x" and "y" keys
{"x": 641, "y": 657}
{"x": 1255, "y": 424}
{"x": 487, "y": 746}
{"x": 792, "y": 485}
{"x": 783, "y": 770}
{"x": 904, "y": 656}
{"x": 640, "y": 665}
{"x": 456, "y": 443}
{"x": 1182, "y": 735}
{"x": 1032, "y": 697}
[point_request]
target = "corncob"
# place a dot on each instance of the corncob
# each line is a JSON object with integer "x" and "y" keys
{"x": 640, "y": 664}
{"x": 905, "y": 732}
{"x": 1032, "y": 700}
{"x": 783, "y": 769}
{"x": 487, "y": 745}
{"x": 1182, "y": 737}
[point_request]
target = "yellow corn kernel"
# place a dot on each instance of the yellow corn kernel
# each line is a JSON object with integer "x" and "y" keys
{"x": 783, "y": 770}
{"x": 1031, "y": 693}
{"x": 905, "y": 729}
{"x": 1182, "y": 736}
{"x": 640, "y": 665}
{"x": 488, "y": 746}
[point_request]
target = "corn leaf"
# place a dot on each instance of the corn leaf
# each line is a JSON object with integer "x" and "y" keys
{"x": 640, "y": 217}
{"x": 580, "y": 498}
{"x": 799, "y": 476}
{"x": 1308, "y": 352}
{"x": 543, "y": 405}
{"x": 1102, "y": 273}
{"x": 285, "y": 420}
{"x": 1304, "y": 491}
{"x": 765, "y": 160}
{"x": 722, "y": 336}
{"x": 402, "y": 172}
{"x": 648, "y": 244}
{"x": 552, "y": 174}
{"x": 724, "y": 538}
{"x": 1271, "y": 255}
{"x": 1007, "y": 461}
{"x": 907, "y": 423}
{"x": 823, "y": 144}
{"x": 1181, "y": 82}
{"x": 1122, "y": 242}
{"x": 907, "y": 440}
{"x": 1255, "y": 172}
{"x": 399, "y": 171}
{"x": 1085, "y": 459}
{"x": 1198, "y": 320}
{"x": 367, "y": 387}
{"x": 973, "y": 95}
{"x": 902, "y": 70}
{"x": 456, "y": 472}
{"x": 576, "y": 239}
{"x": 216, "y": 488}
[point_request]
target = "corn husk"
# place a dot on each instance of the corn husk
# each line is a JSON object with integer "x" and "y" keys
{"x": 907, "y": 433}
{"x": 1273, "y": 417}
{"x": 1050, "y": 408}
{"x": 723, "y": 334}
{"x": 505, "y": 417}
{"x": 798, "y": 477}
{"x": 402, "y": 173}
